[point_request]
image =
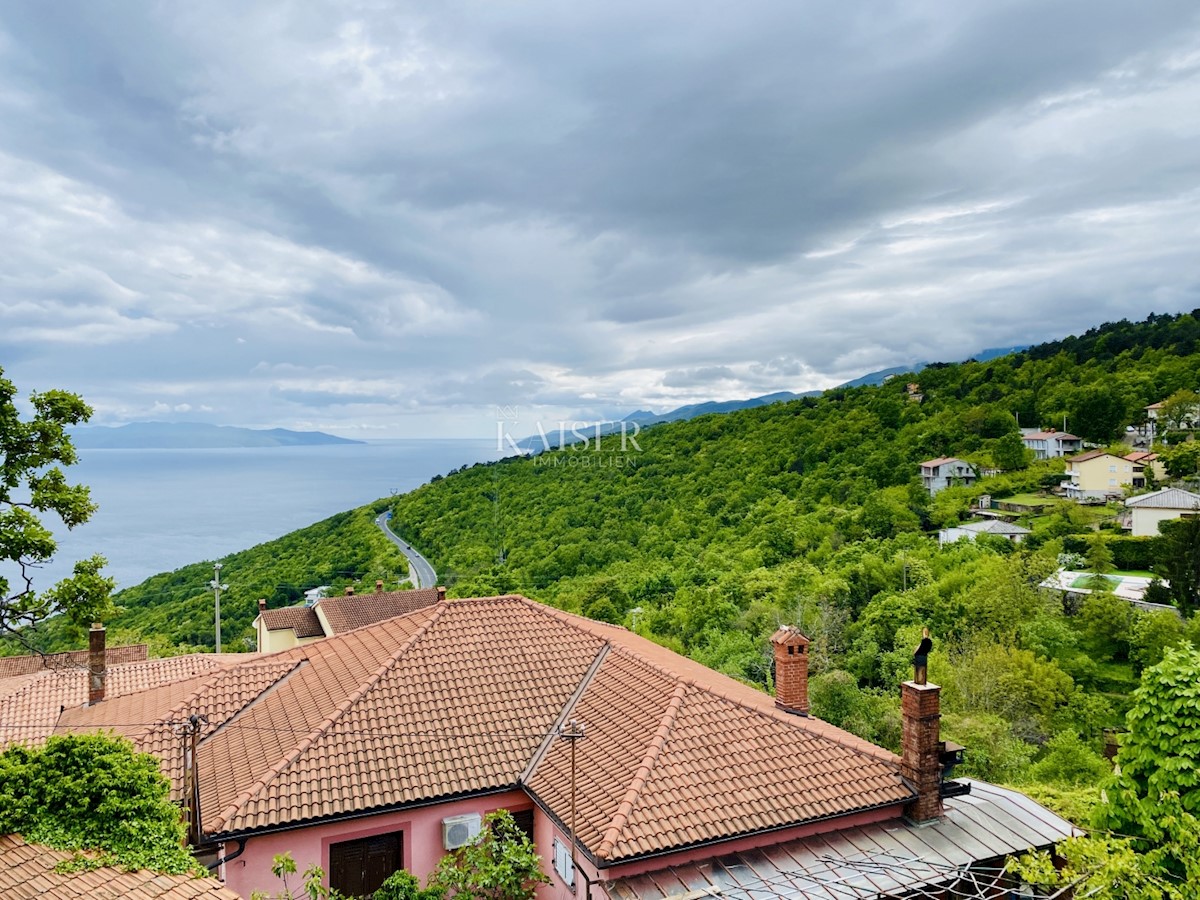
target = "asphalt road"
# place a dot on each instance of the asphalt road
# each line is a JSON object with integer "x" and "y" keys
{"x": 420, "y": 572}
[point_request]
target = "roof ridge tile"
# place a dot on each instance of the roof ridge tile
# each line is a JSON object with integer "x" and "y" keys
{"x": 617, "y": 826}
{"x": 324, "y": 725}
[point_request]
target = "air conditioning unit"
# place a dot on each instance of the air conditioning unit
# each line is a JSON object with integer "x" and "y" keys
{"x": 458, "y": 831}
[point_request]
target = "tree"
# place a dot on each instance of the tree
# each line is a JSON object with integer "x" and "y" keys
{"x": 1181, "y": 460}
{"x": 1009, "y": 452}
{"x": 1160, "y": 755}
{"x": 31, "y": 482}
{"x": 1097, "y": 412}
{"x": 1180, "y": 410}
{"x": 1100, "y": 560}
{"x": 1179, "y": 560}
{"x": 500, "y": 864}
{"x": 94, "y": 792}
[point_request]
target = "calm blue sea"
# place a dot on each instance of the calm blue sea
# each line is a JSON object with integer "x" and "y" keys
{"x": 162, "y": 509}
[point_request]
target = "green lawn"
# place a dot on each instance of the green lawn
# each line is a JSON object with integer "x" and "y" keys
{"x": 1026, "y": 500}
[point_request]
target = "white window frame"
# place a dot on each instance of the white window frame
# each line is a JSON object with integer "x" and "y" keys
{"x": 562, "y": 862}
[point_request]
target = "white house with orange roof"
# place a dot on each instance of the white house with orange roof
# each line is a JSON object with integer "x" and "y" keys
{"x": 384, "y": 746}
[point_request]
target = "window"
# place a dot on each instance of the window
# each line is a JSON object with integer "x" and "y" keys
{"x": 358, "y": 868}
{"x": 523, "y": 819}
{"x": 562, "y": 863}
{"x": 1113, "y": 467}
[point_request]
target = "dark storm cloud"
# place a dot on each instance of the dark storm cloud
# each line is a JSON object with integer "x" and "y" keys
{"x": 369, "y": 214}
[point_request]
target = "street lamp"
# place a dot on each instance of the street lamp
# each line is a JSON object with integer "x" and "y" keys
{"x": 217, "y": 587}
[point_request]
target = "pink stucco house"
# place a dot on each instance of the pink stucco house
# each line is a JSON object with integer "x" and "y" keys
{"x": 383, "y": 746}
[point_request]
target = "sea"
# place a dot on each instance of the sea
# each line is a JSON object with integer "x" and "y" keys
{"x": 163, "y": 509}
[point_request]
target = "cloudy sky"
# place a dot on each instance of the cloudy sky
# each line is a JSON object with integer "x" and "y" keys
{"x": 381, "y": 221}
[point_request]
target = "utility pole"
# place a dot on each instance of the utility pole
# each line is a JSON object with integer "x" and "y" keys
{"x": 572, "y": 732}
{"x": 217, "y": 587}
{"x": 189, "y": 732}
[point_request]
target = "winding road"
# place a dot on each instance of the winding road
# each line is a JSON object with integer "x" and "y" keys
{"x": 420, "y": 572}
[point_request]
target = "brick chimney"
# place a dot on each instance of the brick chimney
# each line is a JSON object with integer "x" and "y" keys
{"x": 262, "y": 605}
{"x": 921, "y": 748}
{"x": 349, "y": 590}
{"x": 97, "y": 664}
{"x": 441, "y": 593}
{"x": 791, "y": 670}
{"x": 379, "y": 587}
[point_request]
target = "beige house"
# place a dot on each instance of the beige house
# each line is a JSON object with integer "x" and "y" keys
{"x": 294, "y": 626}
{"x": 1148, "y": 510}
{"x": 1096, "y": 475}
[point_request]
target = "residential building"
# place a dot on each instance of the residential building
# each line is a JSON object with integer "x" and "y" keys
{"x": 969, "y": 531}
{"x": 1097, "y": 475}
{"x": 385, "y": 745}
{"x": 1051, "y": 444}
{"x": 1146, "y": 465}
{"x": 1148, "y": 510}
{"x": 946, "y": 471}
{"x": 291, "y": 626}
{"x": 31, "y": 872}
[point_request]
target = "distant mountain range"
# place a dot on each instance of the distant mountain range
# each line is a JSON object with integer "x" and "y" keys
{"x": 194, "y": 436}
{"x": 644, "y": 418}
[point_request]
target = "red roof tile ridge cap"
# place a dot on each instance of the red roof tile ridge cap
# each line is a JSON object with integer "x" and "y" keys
{"x": 323, "y": 726}
{"x": 291, "y": 666}
{"x": 617, "y": 826}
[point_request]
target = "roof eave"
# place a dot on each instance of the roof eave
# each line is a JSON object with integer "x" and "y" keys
{"x": 604, "y": 863}
{"x": 246, "y": 834}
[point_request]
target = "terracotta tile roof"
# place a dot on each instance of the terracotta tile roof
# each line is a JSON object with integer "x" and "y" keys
{"x": 669, "y": 762}
{"x": 1047, "y": 435}
{"x": 1141, "y": 456}
{"x": 1091, "y": 454}
{"x": 464, "y": 697}
{"x": 27, "y": 873}
{"x": 218, "y": 696}
{"x": 941, "y": 460}
{"x": 301, "y": 619}
{"x": 28, "y": 714}
{"x": 358, "y": 610}
{"x": 11, "y": 666}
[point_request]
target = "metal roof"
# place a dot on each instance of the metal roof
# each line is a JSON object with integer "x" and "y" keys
{"x": 992, "y": 526}
{"x": 1167, "y": 498}
{"x": 872, "y": 861}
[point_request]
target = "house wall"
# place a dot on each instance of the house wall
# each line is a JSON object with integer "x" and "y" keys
{"x": 283, "y": 639}
{"x": 1096, "y": 477}
{"x": 422, "y": 846}
{"x": 422, "y": 829}
{"x": 1145, "y": 520}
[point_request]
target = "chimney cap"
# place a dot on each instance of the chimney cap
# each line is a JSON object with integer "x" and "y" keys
{"x": 349, "y": 590}
{"x": 262, "y": 603}
{"x": 97, "y": 626}
{"x": 789, "y": 636}
{"x": 379, "y": 586}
